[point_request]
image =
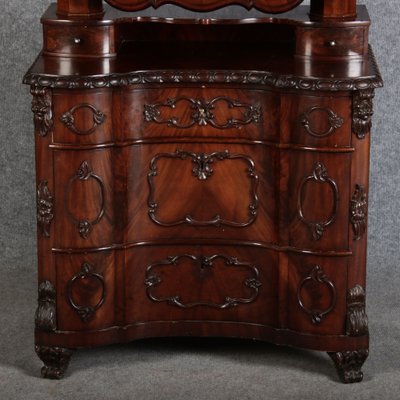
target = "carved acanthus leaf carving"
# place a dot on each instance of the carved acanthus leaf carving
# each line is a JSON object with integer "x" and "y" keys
{"x": 202, "y": 171}
{"x": 316, "y": 275}
{"x": 44, "y": 208}
{"x": 358, "y": 211}
{"x": 68, "y": 119}
{"x": 204, "y": 263}
{"x": 45, "y": 317}
{"x": 41, "y": 108}
{"x": 86, "y": 312}
{"x": 362, "y": 112}
{"x": 202, "y": 114}
{"x": 349, "y": 363}
{"x": 85, "y": 173}
{"x": 319, "y": 174}
{"x": 357, "y": 320}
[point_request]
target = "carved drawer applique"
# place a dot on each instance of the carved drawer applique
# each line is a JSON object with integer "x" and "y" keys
{"x": 202, "y": 170}
{"x": 69, "y": 119}
{"x": 319, "y": 175}
{"x": 201, "y": 112}
{"x": 316, "y": 277}
{"x": 203, "y": 268}
{"x": 86, "y": 283}
{"x": 333, "y": 122}
{"x": 83, "y": 174}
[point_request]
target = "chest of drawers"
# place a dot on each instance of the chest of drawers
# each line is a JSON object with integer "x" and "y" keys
{"x": 203, "y": 177}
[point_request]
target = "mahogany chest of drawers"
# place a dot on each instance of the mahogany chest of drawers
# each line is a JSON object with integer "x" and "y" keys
{"x": 203, "y": 177}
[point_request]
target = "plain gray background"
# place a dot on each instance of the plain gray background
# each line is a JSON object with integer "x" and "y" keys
{"x": 168, "y": 369}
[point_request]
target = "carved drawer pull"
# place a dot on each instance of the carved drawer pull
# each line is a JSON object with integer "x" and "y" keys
{"x": 85, "y": 173}
{"x": 334, "y": 121}
{"x": 205, "y": 264}
{"x": 202, "y": 114}
{"x": 86, "y": 312}
{"x": 68, "y": 119}
{"x": 317, "y": 275}
{"x": 319, "y": 175}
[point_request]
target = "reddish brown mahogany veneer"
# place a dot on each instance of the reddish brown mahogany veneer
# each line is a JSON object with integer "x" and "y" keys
{"x": 203, "y": 176}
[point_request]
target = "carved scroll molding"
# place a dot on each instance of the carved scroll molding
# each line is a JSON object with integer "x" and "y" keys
{"x": 349, "y": 363}
{"x": 357, "y": 320}
{"x": 334, "y": 121}
{"x": 358, "y": 211}
{"x": 44, "y": 208}
{"x": 86, "y": 312}
{"x": 41, "y": 108}
{"x": 84, "y": 173}
{"x": 362, "y": 112}
{"x": 68, "y": 119}
{"x": 202, "y": 114}
{"x": 204, "y": 263}
{"x": 320, "y": 175}
{"x": 55, "y": 359}
{"x": 202, "y": 170}
{"x": 318, "y": 276}
{"x": 45, "y": 317}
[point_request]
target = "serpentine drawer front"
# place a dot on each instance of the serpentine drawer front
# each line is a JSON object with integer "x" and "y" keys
{"x": 203, "y": 177}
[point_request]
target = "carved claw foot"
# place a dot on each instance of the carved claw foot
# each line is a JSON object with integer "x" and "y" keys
{"x": 349, "y": 363}
{"x": 55, "y": 359}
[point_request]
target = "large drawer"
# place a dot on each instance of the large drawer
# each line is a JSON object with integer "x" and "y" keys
{"x": 190, "y": 191}
{"x": 201, "y": 283}
{"x": 196, "y": 112}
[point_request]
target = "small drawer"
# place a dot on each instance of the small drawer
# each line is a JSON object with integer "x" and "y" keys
{"x": 316, "y": 121}
{"x": 178, "y": 283}
{"x": 85, "y": 291}
{"x": 317, "y": 294}
{"x": 78, "y": 41}
{"x": 82, "y": 118}
{"x": 197, "y": 112}
{"x": 332, "y": 42}
{"x": 191, "y": 190}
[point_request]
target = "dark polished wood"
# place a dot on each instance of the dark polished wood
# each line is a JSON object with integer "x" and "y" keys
{"x": 203, "y": 176}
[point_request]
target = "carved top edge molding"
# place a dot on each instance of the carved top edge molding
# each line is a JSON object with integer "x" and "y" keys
{"x": 221, "y": 76}
{"x": 263, "y": 78}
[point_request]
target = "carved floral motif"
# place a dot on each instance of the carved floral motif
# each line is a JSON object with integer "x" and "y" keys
{"x": 319, "y": 174}
{"x": 45, "y": 317}
{"x": 358, "y": 211}
{"x": 202, "y": 170}
{"x": 357, "y": 320}
{"x": 202, "y": 114}
{"x": 153, "y": 280}
{"x": 86, "y": 312}
{"x": 41, "y": 108}
{"x": 44, "y": 208}
{"x": 362, "y": 112}
{"x": 317, "y": 275}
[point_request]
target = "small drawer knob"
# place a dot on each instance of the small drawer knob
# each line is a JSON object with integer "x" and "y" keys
{"x": 77, "y": 40}
{"x": 332, "y": 43}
